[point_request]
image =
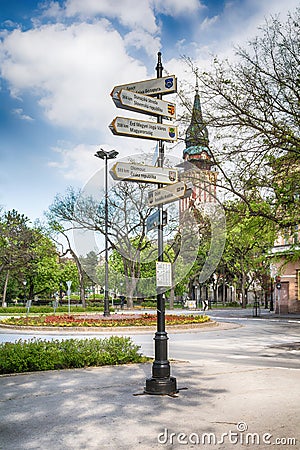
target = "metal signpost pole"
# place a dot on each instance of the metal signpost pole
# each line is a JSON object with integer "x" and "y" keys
{"x": 161, "y": 383}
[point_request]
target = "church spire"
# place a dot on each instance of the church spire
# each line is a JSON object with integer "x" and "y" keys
{"x": 196, "y": 137}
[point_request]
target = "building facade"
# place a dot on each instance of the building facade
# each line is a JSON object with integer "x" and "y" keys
{"x": 286, "y": 273}
{"x": 199, "y": 162}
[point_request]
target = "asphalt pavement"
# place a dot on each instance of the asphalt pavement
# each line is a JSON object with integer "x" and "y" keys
{"x": 235, "y": 391}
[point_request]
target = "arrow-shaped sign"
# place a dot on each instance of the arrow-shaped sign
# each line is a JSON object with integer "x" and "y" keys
{"x": 145, "y": 104}
{"x": 124, "y": 126}
{"x": 143, "y": 173}
{"x": 169, "y": 194}
{"x": 154, "y": 86}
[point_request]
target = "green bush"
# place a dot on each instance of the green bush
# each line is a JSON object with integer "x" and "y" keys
{"x": 96, "y": 297}
{"x": 37, "y": 354}
{"x": 149, "y": 304}
{"x": 49, "y": 309}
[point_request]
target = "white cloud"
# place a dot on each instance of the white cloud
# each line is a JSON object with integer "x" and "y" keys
{"x": 140, "y": 39}
{"x": 235, "y": 26}
{"x": 208, "y": 22}
{"x": 177, "y": 7}
{"x": 71, "y": 70}
{"x": 20, "y": 113}
{"x": 74, "y": 163}
{"x": 130, "y": 13}
{"x": 77, "y": 163}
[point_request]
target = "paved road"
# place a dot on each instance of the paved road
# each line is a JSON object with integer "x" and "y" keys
{"x": 252, "y": 341}
{"x": 242, "y": 381}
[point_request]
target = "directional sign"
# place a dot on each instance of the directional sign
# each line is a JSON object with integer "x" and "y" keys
{"x": 143, "y": 173}
{"x": 154, "y": 220}
{"x": 169, "y": 194}
{"x": 124, "y": 126}
{"x": 154, "y": 86}
{"x": 145, "y": 104}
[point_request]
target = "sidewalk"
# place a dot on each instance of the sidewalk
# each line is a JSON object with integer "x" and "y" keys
{"x": 228, "y": 404}
{"x": 251, "y": 313}
{"x": 96, "y": 409}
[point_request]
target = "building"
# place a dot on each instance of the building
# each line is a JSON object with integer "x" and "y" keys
{"x": 285, "y": 268}
{"x": 199, "y": 162}
{"x": 286, "y": 273}
{"x": 199, "y": 168}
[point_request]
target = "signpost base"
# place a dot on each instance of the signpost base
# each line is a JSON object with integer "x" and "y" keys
{"x": 161, "y": 386}
{"x": 161, "y": 383}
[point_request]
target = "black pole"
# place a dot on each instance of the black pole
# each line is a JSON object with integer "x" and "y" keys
{"x": 271, "y": 296}
{"x": 106, "y": 300}
{"x": 160, "y": 383}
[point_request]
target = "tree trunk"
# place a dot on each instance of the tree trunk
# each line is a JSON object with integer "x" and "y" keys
{"x": 5, "y": 290}
{"x": 80, "y": 276}
{"x": 172, "y": 296}
{"x": 31, "y": 289}
{"x": 223, "y": 291}
{"x": 172, "y": 290}
{"x": 243, "y": 289}
{"x": 129, "y": 297}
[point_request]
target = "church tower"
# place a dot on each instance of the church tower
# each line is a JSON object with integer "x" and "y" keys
{"x": 198, "y": 154}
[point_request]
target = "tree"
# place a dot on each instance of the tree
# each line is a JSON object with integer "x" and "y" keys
{"x": 89, "y": 264}
{"x": 43, "y": 265}
{"x": 252, "y": 107}
{"x": 61, "y": 227}
{"x": 249, "y": 239}
{"x": 26, "y": 253}
{"x": 16, "y": 245}
{"x": 127, "y": 217}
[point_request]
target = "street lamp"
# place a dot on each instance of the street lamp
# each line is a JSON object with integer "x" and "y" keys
{"x": 105, "y": 156}
{"x": 24, "y": 283}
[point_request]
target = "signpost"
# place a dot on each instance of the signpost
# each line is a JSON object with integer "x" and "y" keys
{"x": 143, "y": 173}
{"x": 161, "y": 382}
{"x": 133, "y": 101}
{"x": 125, "y": 96}
{"x": 154, "y": 86}
{"x": 124, "y": 126}
{"x": 169, "y": 194}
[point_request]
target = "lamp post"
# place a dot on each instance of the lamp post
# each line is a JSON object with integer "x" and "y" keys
{"x": 105, "y": 155}
{"x": 24, "y": 283}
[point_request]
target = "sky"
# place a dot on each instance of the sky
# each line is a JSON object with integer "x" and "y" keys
{"x": 59, "y": 61}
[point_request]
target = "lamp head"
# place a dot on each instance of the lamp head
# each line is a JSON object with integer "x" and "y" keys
{"x": 111, "y": 154}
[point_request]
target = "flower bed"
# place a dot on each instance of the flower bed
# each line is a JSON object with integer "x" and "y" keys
{"x": 120, "y": 320}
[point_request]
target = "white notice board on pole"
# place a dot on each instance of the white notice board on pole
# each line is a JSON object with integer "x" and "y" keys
{"x": 163, "y": 274}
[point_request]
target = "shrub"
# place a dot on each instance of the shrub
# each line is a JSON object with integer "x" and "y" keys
{"x": 48, "y": 309}
{"x": 149, "y": 304}
{"x": 37, "y": 354}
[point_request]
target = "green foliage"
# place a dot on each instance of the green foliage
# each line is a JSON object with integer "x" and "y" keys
{"x": 149, "y": 304}
{"x": 49, "y": 309}
{"x": 37, "y": 354}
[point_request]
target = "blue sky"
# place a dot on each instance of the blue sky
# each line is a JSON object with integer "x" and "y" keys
{"x": 59, "y": 61}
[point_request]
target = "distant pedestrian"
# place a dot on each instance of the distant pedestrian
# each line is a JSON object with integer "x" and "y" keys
{"x": 204, "y": 305}
{"x": 122, "y": 301}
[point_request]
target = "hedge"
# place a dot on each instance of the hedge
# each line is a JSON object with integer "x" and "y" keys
{"x": 38, "y": 355}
